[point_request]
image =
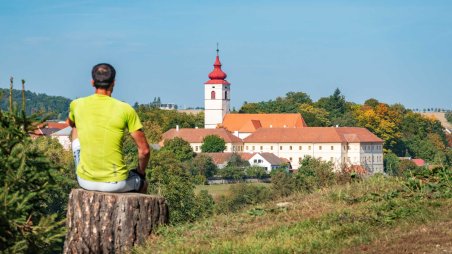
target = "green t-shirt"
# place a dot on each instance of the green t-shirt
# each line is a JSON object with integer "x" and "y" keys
{"x": 101, "y": 121}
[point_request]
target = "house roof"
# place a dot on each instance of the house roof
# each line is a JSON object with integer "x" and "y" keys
{"x": 418, "y": 162}
{"x": 252, "y": 122}
{"x": 55, "y": 125}
{"x": 197, "y": 135}
{"x": 221, "y": 158}
{"x": 63, "y": 132}
{"x": 271, "y": 158}
{"x": 46, "y": 131}
{"x": 312, "y": 135}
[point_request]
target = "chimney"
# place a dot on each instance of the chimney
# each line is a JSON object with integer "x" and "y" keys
{"x": 177, "y": 127}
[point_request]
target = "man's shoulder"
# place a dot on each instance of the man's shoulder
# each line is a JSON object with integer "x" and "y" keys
{"x": 122, "y": 104}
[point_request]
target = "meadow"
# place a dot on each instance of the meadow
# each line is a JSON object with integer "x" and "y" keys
{"x": 376, "y": 215}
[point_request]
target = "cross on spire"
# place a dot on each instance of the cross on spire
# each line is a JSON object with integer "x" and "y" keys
{"x": 217, "y": 49}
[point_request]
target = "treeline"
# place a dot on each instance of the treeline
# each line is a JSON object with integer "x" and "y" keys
{"x": 56, "y": 106}
{"x": 406, "y": 133}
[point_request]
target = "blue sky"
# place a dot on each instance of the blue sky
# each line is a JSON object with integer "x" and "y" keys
{"x": 394, "y": 51}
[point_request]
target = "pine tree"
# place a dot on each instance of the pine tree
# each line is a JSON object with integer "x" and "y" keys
{"x": 26, "y": 186}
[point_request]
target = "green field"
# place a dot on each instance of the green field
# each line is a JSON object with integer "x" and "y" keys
{"x": 217, "y": 190}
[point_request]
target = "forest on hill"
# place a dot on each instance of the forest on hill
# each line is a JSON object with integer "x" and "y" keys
{"x": 55, "y": 106}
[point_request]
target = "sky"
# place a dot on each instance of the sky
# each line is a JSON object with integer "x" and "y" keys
{"x": 393, "y": 51}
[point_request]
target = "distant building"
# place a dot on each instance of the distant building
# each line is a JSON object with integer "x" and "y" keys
{"x": 283, "y": 135}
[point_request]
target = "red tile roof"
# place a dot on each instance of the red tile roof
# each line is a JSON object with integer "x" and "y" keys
{"x": 418, "y": 162}
{"x": 312, "y": 135}
{"x": 221, "y": 158}
{"x": 252, "y": 122}
{"x": 197, "y": 135}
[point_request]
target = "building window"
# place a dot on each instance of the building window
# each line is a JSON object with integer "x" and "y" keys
{"x": 348, "y": 147}
{"x": 259, "y": 161}
{"x": 212, "y": 95}
{"x": 225, "y": 95}
{"x": 331, "y": 159}
{"x": 280, "y": 147}
{"x": 300, "y": 159}
{"x": 290, "y": 147}
{"x": 290, "y": 158}
{"x": 271, "y": 147}
{"x": 320, "y": 147}
{"x": 332, "y": 147}
{"x": 255, "y": 161}
{"x": 309, "y": 147}
{"x": 253, "y": 148}
{"x": 247, "y": 148}
{"x": 262, "y": 148}
{"x": 196, "y": 148}
{"x": 299, "y": 148}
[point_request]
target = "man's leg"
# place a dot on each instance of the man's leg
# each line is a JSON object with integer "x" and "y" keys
{"x": 132, "y": 183}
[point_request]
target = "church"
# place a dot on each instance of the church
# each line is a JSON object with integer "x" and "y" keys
{"x": 285, "y": 135}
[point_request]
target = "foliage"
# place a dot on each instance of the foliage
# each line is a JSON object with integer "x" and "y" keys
{"x": 202, "y": 165}
{"x": 448, "y": 116}
{"x": 213, "y": 144}
{"x": 167, "y": 119}
{"x": 287, "y": 104}
{"x": 180, "y": 148}
{"x": 243, "y": 195}
{"x": 256, "y": 171}
{"x": 391, "y": 164}
{"x": 283, "y": 184}
{"x": 313, "y": 174}
{"x": 27, "y": 180}
{"x": 231, "y": 172}
{"x": 314, "y": 116}
{"x": 237, "y": 161}
{"x": 168, "y": 178}
{"x": 35, "y": 103}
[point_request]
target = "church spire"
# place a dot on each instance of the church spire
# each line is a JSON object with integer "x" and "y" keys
{"x": 217, "y": 76}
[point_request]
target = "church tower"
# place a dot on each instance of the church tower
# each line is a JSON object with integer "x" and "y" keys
{"x": 216, "y": 96}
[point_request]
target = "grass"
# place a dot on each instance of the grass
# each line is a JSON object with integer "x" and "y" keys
{"x": 217, "y": 190}
{"x": 346, "y": 218}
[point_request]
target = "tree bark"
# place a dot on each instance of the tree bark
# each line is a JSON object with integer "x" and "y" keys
{"x": 100, "y": 222}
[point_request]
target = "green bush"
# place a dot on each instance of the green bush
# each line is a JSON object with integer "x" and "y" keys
{"x": 283, "y": 184}
{"x": 243, "y": 195}
{"x": 314, "y": 174}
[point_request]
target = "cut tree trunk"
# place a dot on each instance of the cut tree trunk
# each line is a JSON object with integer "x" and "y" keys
{"x": 100, "y": 222}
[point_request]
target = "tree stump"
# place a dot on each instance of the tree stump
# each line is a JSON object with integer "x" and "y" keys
{"x": 100, "y": 222}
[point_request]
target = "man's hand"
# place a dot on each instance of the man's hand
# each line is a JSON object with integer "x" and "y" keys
{"x": 143, "y": 150}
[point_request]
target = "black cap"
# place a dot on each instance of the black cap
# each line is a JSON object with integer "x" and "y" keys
{"x": 103, "y": 74}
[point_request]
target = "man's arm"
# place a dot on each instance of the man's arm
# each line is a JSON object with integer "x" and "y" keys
{"x": 143, "y": 150}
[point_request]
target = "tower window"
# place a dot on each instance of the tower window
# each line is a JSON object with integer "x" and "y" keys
{"x": 225, "y": 95}
{"x": 212, "y": 95}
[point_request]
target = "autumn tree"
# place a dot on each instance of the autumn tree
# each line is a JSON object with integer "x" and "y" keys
{"x": 314, "y": 116}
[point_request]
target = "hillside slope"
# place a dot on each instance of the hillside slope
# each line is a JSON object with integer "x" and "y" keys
{"x": 440, "y": 116}
{"x": 35, "y": 102}
{"x": 377, "y": 215}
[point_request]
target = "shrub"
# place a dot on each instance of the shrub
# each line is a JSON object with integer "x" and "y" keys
{"x": 283, "y": 184}
{"x": 242, "y": 195}
{"x": 313, "y": 174}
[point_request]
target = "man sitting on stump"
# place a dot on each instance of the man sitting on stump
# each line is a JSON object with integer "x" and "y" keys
{"x": 100, "y": 121}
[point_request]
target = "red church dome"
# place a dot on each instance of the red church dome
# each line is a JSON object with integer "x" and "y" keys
{"x": 217, "y": 76}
